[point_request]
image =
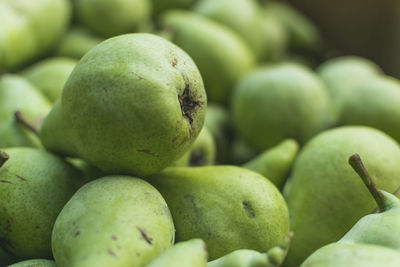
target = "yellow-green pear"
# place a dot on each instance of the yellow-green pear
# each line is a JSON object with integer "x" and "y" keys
{"x": 275, "y": 163}
{"x": 191, "y": 253}
{"x": 112, "y": 221}
{"x": 230, "y": 208}
{"x": 325, "y": 196}
{"x": 50, "y": 75}
{"x": 133, "y": 104}
{"x": 34, "y": 187}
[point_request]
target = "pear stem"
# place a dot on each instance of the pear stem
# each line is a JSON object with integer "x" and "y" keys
{"x": 358, "y": 166}
{"x": 21, "y": 119}
{"x": 3, "y": 158}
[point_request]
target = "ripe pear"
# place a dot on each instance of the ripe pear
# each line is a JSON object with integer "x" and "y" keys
{"x": 275, "y": 163}
{"x": 133, "y": 104}
{"x": 34, "y": 185}
{"x": 230, "y": 208}
{"x": 35, "y": 263}
{"x": 325, "y": 198}
{"x": 341, "y": 75}
{"x": 50, "y": 75}
{"x": 191, "y": 253}
{"x": 206, "y": 41}
{"x": 77, "y": 42}
{"x": 22, "y": 109}
{"x": 35, "y": 27}
{"x": 201, "y": 153}
{"x": 368, "y": 241}
{"x": 112, "y": 221}
{"x": 374, "y": 103}
{"x": 111, "y": 18}
{"x": 249, "y": 258}
{"x": 279, "y": 101}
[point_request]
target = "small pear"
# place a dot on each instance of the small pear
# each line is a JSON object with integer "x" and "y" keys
{"x": 50, "y": 75}
{"x": 112, "y": 221}
{"x": 250, "y": 258}
{"x": 230, "y": 208}
{"x": 191, "y": 253}
{"x": 34, "y": 185}
{"x": 373, "y": 240}
{"x": 111, "y": 18}
{"x": 22, "y": 109}
{"x": 325, "y": 198}
{"x": 276, "y": 162}
{"x": 279, "y": 101}
{"x": 143, "y": 92}
{"x": 77, "y": 42}
{"x": 205, "y": 40}
{"x": 34, "y": 263}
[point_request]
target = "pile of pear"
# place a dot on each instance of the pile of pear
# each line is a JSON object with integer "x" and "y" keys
{"x": 191, "y": 133}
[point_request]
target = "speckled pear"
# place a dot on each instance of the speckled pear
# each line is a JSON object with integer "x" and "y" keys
{"x": 112, "y": 221}
{"x": 133, "y": 104}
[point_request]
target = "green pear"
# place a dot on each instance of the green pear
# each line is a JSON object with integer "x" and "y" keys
{"x": 325, "y": 198}
{"x": 206, "y": 41}
{"x": 111, "y": 18}
{"x": 112, "y": 221}
{"x": 250, "y": 258}
{"x": 22, "y": 109}
{"x": 201, "y": 153}
{"x": 50, "y": 75}
{"x": 77, "y": 42}
{"x": 374, "y": 103}
{"x": 133, "y": 104}
{"x": 230, "y": 208}
{"x": 218, "y": 123}
{"x": 303, "y": 34}
{"x": 31, "y": 29}
{"x": 159, "y": 6}
{"x": 34, "y": 263}
{"x": 275, "y": 163}
{"x": 276, "y": 102}
{"x": 368, "y": 241}
{"x": 341, "y": 75}
{"x": 191, "y": 253}
{"x": 335, "y": 255}
{"x": 34, "y": 185}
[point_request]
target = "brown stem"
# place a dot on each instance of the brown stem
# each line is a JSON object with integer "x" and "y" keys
{"x": 3, "y": 158}
{"x": 21, "y": 119}
{"x": 358, "y": 166}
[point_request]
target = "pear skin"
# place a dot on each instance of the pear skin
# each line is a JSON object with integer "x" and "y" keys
{"x": 230, "y": 208}
{"x": 112, "y": 221}
{"x": 34, "y": 263}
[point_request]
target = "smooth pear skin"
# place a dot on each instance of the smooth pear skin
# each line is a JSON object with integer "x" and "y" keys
{"x": 335, "y": 255}
{"x": 133, "y": 104}
{"x": 111, "y": 18}
{"x": 50, "y": 75}
{"x": 230, "y": 208}
{"x": 206, "y": 41}
{"x": 34, "y": 185}
{"x": 112, "y": 221}
{"x": 18, "y": 94}
{"x": 191, "y": 253}
{"x": 374, "y": 103}
{"x": 321, "y": 215}
{"x": 276, "y": 102}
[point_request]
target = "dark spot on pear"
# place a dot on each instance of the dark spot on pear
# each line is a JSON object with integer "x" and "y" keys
{"x": 111, "y": 253}
{"x": 248, "y": 209}
{"x": 5, "y": 182}
{"x": 148, "y": 152}
{"x": 21, "y": 178}
{"x": 174, "y": 62}
{"x": 105, "y": 89}
{"x": 114, "y": 237}
{"x": 148, "y": 239}
{"x": 188, "y": 105}
{"x": 77, "y": 233}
